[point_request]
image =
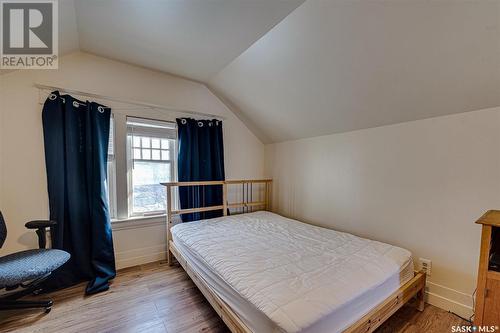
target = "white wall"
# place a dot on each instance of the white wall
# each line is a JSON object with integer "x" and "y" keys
{"x": 419, "y": 185}
{"x": 23, "y": 189}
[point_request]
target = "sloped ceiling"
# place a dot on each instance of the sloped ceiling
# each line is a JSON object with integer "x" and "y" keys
{"x": 292, "y": 69}
{"x": 190, "y": 38}
{"x": 334, "y": 66}
{"x": 68, "y": 30}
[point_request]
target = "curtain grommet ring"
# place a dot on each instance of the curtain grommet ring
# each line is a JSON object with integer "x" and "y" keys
{"x": 210, "y": 124}
{"x": 183, "y": 121}
{"x": 76, "y": 104}
{"x": 52, "y": 97}
{"x": 100, "y": 109}
{"x": 200, "y": 124}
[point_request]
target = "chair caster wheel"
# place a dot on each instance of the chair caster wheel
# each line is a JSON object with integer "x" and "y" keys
{"x": 47, "y": 310}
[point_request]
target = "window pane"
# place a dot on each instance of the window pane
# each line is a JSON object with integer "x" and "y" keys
{"x": 110, "y": 188}
{"x": 151, "y": 165}
{"x": 111, "y": 177}
{"x": 146, "y": 154}
{"x": 155, "y": 154}
{"x": 148, "y": 194}
{"x": 137, "y": 141}
{"x": 155, "y": 143}
{"x": 165, "y": 155}
{"x": 111, "y": 140}
{"x": 109, "y": 174}
{"x": 137, "y": 153}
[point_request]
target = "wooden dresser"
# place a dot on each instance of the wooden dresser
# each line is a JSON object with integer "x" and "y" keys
{"x": 487, "y": 311}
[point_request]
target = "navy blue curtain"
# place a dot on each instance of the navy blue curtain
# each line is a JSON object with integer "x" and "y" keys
{"x": 76, "y": 135}
{"x": 201, "y": 157}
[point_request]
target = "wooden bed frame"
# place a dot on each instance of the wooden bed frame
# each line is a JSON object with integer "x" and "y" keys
{"x": 368, "y": 323}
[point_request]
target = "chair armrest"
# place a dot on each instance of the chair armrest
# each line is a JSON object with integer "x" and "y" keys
{"x": 40, "y": 226}
{"x": 37, "y": 224}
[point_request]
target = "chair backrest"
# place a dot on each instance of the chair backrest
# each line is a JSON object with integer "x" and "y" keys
{"x": 3, "y": 230}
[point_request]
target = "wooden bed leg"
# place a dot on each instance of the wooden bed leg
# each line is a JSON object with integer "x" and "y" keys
{"x": 170, "y": 258}
{"x": 421, "y": 294}
{"x": 420, "y": 299}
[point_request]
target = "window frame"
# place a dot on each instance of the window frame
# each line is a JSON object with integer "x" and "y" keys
{"x": 121, "y": 191}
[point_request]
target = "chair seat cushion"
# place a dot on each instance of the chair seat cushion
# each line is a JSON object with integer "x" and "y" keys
{"x": 27, "y": 265}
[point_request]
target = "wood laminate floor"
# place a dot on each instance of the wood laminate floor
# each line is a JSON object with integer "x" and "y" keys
{"x": 157, "y": 298}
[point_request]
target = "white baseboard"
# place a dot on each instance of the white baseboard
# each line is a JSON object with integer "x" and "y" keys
{"x": 449, "y": 299}
{"x": 140, "y": 256}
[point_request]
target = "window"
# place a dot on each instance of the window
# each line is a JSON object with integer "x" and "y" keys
{"x": 111, "y": 184}
{"x": 151, "y": 150}
{"x": 141, "y": 155}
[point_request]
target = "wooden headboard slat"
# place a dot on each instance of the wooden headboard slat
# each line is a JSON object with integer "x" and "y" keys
{"x": 247, "y": 192}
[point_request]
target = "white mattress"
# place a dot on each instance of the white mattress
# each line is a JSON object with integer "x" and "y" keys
{"x": 280, "y": 275}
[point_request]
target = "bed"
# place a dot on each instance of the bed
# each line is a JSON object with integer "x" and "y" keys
{"x": 266, "y": 273}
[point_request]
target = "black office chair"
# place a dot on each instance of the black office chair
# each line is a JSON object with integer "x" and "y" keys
{"x": 22, "y": 272}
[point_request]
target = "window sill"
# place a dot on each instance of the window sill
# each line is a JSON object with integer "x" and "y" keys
{"x": 136, "y": 222}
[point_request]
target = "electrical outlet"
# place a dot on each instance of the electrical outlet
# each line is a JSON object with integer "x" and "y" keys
{"x": 426, "y": 265}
